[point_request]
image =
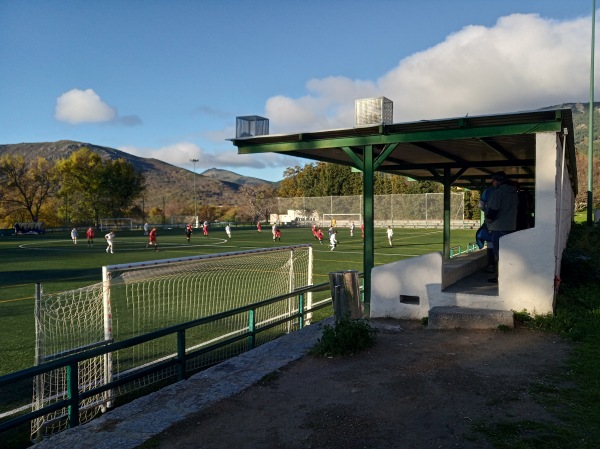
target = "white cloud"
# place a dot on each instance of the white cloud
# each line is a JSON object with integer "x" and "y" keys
{"x": 82, "y": 106}
{"x": 523, "y": 62}
{"x": 179, "y": 154}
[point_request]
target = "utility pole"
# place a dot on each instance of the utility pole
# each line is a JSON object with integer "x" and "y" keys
{"x": 590, "y": 196}
{"x": 193, "y": 161}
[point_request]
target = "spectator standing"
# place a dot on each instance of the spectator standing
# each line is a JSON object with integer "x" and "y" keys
{"x": 501, "y": 216}
{"x": 484, "y": 233}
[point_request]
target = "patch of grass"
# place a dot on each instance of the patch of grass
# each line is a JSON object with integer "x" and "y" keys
{"x": 346, "y": 337}
{"x": 574, "y": 397}
{"x": 271, "y": 377}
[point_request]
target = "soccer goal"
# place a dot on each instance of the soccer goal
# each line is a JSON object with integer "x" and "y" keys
{"x": 67, "y": 323}
{"x": 138, "y": 298}
{"x": 116, "y": 224}
{"x": 341, "y": 220}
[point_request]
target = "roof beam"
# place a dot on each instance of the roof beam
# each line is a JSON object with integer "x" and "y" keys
{"x": 263, "y": 145}
{"x": 504, "y": 153}
{"x": 463, "y": 164}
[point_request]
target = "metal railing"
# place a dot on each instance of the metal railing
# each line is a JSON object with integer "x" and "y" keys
{"x": 71, "y": 362}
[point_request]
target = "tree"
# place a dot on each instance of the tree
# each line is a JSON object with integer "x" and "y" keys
{"x": 26, "y": 187}
{"x": 260, "y": 201}
{"x": 121, "y": 184}
{"x": 92, "y": 188}
{"x": 81, "y": 186}
{"x": 325, "y": 179}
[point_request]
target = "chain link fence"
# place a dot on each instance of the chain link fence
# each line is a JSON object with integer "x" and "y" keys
{"x": 396, "y": 210}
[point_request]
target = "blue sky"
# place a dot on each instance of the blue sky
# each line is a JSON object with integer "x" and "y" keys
{"x": 167, "y": 78}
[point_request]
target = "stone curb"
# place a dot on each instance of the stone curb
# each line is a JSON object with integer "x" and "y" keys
{"x": 130, "y": 425}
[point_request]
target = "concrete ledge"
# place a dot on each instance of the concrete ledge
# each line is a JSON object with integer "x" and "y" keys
{"x": 466, "y": 318}
{"x": 462, "y": 266}
{"x": 130, "y": 425}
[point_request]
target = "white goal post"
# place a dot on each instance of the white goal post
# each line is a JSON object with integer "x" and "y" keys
{"x": 341, "y": 220}
{"x": 116, "y": 224}
{"x": 138, "y": 298}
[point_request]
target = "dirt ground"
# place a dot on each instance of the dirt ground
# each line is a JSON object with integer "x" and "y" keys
{"x": 416, "y": 388}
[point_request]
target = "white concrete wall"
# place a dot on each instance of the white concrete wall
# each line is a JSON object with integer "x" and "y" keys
{"x": 417, "y": 276}
{"x": 529, "y": 259}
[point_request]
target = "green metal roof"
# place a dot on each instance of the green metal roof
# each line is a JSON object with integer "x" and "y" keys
{"x": 472, "y": 148}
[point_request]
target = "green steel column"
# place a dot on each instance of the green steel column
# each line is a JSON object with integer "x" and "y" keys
{"x": 369, "y": 243}
{"x": 481, "y": 190}
{"x": 447, "y": 214}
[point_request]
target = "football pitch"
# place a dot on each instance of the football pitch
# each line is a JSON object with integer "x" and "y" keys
{"x": 58, "y": 265}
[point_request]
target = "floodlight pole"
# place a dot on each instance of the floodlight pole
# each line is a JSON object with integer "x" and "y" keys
{"x": 193, "y": 161}
{"x": 590, "y": 196}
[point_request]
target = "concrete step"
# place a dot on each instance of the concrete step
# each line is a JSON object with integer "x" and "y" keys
{"x": 452, "y": 317}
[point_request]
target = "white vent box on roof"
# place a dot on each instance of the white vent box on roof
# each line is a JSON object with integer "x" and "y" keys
{"x": 251, "y": 126}
{"x": 374, "y": 111}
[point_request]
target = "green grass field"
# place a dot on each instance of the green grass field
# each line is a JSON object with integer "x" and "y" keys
{"x": 55, "y": 262}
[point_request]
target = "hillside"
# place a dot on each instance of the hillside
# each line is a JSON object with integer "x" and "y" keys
{"x": 167, "y": 185}
{"x": 581, "y": 118}
{"x": 229, "y": 176}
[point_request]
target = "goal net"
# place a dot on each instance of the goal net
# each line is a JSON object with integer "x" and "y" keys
{"x": 116, "y": 224}
{"x": 67, "y": 323}
{"x": 138, "y": 298}
{"x": 341, "y": 220}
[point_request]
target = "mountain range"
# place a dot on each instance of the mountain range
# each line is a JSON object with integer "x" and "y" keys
{"x": 166, "y": 183}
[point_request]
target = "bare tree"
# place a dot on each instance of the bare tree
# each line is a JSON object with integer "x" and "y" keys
{"x": 25, "y": 187}
{"x": 260, "y": 201}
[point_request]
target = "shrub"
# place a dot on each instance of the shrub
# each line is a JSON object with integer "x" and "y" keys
{"x": 346, "y": 337}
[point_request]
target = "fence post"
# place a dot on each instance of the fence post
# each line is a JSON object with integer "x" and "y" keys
{"x": 251, "y": 329}
{"x": 73, "y": 394}
{"x": 346, "y": 296}
{"x": 181, "y": 356}
{"x": 300, "y": 311}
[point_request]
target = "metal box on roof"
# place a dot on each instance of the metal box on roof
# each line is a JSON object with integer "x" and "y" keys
{"x": 251, "y": 126}
{"x": 374, "y": 111}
